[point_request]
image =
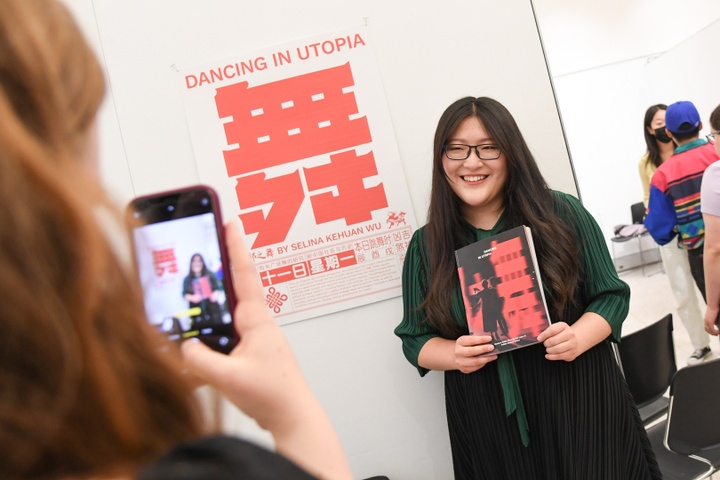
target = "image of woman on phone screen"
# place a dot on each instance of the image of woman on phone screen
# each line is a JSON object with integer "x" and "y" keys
{"x": 201, "y": 288}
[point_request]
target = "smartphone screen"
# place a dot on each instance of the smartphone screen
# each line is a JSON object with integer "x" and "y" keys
{"x": 182, "y": 264}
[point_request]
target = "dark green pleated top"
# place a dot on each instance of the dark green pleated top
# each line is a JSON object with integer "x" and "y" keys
{"x": 601, "y": 291}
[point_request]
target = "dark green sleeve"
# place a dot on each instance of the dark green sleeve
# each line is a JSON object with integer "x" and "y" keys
{"x": 214, "y": 283}
{"x": 602, "y": 290}
{"x": 413, "y": 330}
{"x": 187, "y": 286}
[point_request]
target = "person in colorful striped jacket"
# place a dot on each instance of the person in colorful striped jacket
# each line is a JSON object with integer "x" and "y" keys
{"x": 674, "y": 205}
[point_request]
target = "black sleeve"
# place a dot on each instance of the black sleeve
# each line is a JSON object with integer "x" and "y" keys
{"x": 222, "y": 458}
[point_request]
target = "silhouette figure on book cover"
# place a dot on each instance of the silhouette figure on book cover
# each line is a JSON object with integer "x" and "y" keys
{"x": 487, "y": 298}
{"x": 502, "y": 291}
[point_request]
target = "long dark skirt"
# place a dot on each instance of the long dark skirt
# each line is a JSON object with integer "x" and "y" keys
{"x": 582, "y": 419}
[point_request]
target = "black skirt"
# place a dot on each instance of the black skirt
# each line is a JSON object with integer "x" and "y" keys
{"x": 582, "y": 419}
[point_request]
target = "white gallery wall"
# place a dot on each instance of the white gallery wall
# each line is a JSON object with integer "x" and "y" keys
{"x": 390, "y": 420}
{"x": 611, "y": 60}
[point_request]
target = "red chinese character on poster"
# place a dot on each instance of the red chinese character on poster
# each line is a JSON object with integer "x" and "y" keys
{"x": 164, "y": 260}
{"x": 287, "y": 273}
{"x": 284, "y": 193}
{"x": 290, "y": 120}
{"x": 353, "y": 202}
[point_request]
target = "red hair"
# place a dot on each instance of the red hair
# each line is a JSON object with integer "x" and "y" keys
{"x": 87, "y": 388}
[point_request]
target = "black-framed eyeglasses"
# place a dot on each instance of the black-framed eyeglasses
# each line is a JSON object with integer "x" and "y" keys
{"x": 460, "y": 151}
{"x": 711, "y": 136}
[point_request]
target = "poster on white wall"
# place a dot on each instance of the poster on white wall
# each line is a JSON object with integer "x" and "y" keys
{"x": 298, "y": 142}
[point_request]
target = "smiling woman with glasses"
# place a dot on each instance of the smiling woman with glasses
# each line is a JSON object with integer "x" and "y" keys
{"x": 558, "y": 409}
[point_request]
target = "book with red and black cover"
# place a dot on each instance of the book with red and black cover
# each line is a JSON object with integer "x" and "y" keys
{"x": 502, "y": 289}
{"x": 201, "y": 286}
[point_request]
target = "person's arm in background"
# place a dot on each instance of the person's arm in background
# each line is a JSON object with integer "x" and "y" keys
{"x": 645, "y": 175}
{"x": 711, "y": 264}
{"x": 661, "y": 217}
{"x": 710, "y": 207}
{"x": 262, "y": 377}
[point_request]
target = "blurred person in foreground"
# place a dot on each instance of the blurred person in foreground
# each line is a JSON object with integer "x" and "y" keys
{"x": 88, "y": 389}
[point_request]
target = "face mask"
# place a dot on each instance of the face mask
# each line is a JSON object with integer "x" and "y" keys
{"x": 662, "y": 136}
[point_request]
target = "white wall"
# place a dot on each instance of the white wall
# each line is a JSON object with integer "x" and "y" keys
{"x": 390, "y": 421}
{"x": 113, "y": 165}
{"x": 689, "y": 71}
{"x": 595, "y": 125}
{"x": 610, "y": 61}
{"x": 581, "y": 35}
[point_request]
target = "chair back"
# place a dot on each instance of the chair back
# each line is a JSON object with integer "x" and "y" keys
{"x": 693, "y": 420}
{"x": 648, "y": 360}
{"x": 637, "y": 212}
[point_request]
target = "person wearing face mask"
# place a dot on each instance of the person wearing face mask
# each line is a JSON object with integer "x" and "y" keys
{"x": 674, "y": 259}
{"x": 674, "y": 208}
{"x": 659, "y": 146}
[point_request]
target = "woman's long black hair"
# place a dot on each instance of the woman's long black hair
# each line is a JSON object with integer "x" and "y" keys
{"x": 527, "y": 201}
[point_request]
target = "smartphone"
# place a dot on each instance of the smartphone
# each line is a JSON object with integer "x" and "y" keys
{"x": 182, "y": 263}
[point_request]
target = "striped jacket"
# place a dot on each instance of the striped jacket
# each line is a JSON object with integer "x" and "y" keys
{"x": 674, "y": 205}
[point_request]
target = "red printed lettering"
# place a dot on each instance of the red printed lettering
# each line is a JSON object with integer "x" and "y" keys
{"x": 164, "y": 260}
{"x": 284, "y": 194}
{"x": 354, "y": 203}
{"x": 289, "y": 120}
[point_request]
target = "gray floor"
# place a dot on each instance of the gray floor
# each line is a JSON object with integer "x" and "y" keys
{"x": 650, "y": 300}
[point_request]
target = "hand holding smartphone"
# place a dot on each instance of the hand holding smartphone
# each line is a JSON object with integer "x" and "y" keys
{"x": 183, "y": 266}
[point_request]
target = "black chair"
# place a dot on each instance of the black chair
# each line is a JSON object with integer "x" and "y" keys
{"x": 637, "y": 212}
{"x": 647, "y": 358}
{"x": 687, "y": 443}
{"x": 632, "y": 232}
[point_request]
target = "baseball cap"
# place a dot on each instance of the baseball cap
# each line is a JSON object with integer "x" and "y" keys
{"x": 682, "y": 117}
